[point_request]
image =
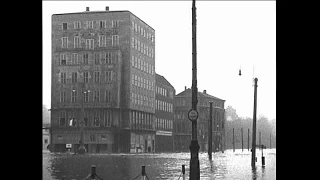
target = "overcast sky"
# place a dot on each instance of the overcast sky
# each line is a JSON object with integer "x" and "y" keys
{"x": 230, "y": 35}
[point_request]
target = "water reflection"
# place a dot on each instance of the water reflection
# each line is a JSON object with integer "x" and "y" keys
{"x": 227, "y": 165}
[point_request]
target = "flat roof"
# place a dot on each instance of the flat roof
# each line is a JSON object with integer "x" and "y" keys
{"x": 93, "y": 12}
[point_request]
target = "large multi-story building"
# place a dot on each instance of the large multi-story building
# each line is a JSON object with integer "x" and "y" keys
{"x": 182, "y": 125}
{"x": 103, "y": 74}
{"x": 164, "y": 114}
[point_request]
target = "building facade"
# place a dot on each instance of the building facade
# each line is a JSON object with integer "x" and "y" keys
{"x": 164, "y": 114}
{"x": 102, "y": 78}
{"x": 182, "y": 125}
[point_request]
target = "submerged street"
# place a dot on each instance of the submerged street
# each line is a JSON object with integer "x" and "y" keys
{"x": 227, "y": 165}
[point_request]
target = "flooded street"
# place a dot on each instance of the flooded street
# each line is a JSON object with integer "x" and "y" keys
{"x": 227, "y": 165}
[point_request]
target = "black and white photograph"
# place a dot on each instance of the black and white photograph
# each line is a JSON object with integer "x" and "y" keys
{"x": 147, "y": 90}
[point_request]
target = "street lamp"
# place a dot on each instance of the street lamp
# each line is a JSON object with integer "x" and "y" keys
{"x": 254, "y": 124}
{"x": 193, "y": 114}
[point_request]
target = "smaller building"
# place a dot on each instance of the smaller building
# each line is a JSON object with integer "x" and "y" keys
{"x": 183, "y": 126}
{"x": 164, "y": 115}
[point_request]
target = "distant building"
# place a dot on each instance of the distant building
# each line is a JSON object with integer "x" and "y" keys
{"x": 164, "y": 114}
{"x": 103, "y": 62}
{"x": 182, "y": 125}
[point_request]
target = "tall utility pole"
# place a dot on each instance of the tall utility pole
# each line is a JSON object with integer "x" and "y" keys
{"x": 242, "y": 139}
{"x": 253, "y": 155}
{"x": 194, "y": 145}
{"x": 248, "y": 139}
{"x": 270, "y": 140}
{"x": 233, "y": 139}
{"x": 210, "y": 133}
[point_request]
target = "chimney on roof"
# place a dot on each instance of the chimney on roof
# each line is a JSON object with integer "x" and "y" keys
{"x": 204, "y": 91}
{"x": 87, "y": 8}
{"x": 185, "y": 87}
{"x": 107, "y": 8}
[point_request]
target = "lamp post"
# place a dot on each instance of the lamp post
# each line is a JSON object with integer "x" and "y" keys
{"x": 193, "y": 114}
{"x": 253, "y": 156}
{"x": 254, "y": 128}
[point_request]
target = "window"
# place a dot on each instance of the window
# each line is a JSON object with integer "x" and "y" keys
{"x": 115, "y": 40}
{"x": 97, "y": 76}
{"x": 63, "y": 59}
{"x": 90, "y": 24}
{"x": 147, "y": 51}
{"x": 63, "y": 77}
{"x": 85, "y": 118}
{"x": 62, "y": 96}
{"x": 108, "y": 58}
{"x": 96, "y": 58}
{"x": 138, "y": 45}
{"x": 132, "y": 61}
{"x": 135, "y": 44}
{"x": 115, "y": 23}
{"x": 132, "y": 79}
{"x": 64, "y": 26}
{"x": 62, "y": 118}
{"x": 97, "y": 96}
{"x": 96, "y": 119}
{"x": 74, "y": 77}
{"x": 103, "y": 24}
{"x": 132, "y": 42}
{"x": 77, "y": 25}
{"x": 89, "y": 43}
{"x": 86, "y": 76}
{"x": 103, "y": 57}
{"x": 135, "y": 80}
{"x": 73, "y": 96}
{"x": 86, "y": 58}
{"x": 86, "y": 96}
{"x": 135, "y": 62}
{"x": 108, "y": 76}
{"x": 108, "y": 96}
{"x": 74, "y": 59}
{"x": 102, "y": 41}
{"x": 64, "y": 41}
{"x": 77, "y": 42}
{"x": 107, "y": 118}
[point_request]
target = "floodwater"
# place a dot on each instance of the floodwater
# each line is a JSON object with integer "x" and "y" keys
{"x": 227, "y": 165}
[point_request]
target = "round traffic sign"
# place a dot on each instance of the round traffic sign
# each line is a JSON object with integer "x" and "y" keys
{"x": 193, "y": 115}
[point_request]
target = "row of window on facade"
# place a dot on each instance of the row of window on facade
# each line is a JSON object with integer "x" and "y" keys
{"x": 86, "y": 76}
{"x": 86, "y": 58}
{"x": 164, "y": 92}
{"x": 142, "y": 65}
{"x": 95, "y": 97}
{"x": 142, "y": 100}
{"x": 145, "y": 120}
{"x": 78, "y": 25}
{"x": 142, "y": 82}
{"x": 164, "y": 106}
{"x": 141, "y": 47}
{"x": 164, "y": 124}
{"x": 94, "y": 119}
{"x": 136, "y": 28}
{"x": 79, "y": 42}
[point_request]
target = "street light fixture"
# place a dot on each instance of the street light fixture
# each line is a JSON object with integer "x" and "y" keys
{"x": 254, "y": 124}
